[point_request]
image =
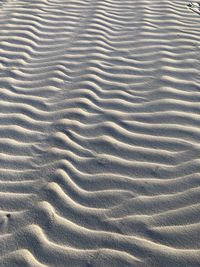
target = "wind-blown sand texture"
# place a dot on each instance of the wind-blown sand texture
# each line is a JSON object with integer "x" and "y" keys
{"x": 99, "y": 133}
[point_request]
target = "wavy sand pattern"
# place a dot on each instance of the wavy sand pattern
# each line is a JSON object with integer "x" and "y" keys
{"x": 99, "y": 133}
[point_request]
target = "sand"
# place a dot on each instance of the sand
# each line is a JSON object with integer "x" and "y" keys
{"x": 99, "y": 133}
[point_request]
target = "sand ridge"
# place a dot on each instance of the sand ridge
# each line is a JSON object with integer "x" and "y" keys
{"x": 99, "y": 133}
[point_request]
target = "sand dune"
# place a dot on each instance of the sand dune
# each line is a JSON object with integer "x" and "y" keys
{"x": 99, "y": 133}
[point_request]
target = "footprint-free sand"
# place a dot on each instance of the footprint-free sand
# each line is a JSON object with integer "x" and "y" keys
{"x": 99, "y": 133}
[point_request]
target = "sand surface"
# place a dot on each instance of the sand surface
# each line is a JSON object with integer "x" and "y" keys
{"x": 99, "y": 133}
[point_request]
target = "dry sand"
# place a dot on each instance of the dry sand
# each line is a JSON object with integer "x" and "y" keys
{"x": 99, "y": 133}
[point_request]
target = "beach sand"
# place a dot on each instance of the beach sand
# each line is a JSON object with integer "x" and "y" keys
{"x": 99, "y": 133}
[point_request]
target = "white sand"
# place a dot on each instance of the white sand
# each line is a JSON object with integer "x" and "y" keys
{"x": 99, "y": 133}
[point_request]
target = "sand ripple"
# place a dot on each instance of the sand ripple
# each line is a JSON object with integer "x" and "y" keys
{"x": 99, "y": 133}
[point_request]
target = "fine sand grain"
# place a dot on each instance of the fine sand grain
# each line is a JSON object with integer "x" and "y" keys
{"x": 99, "y": 133}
